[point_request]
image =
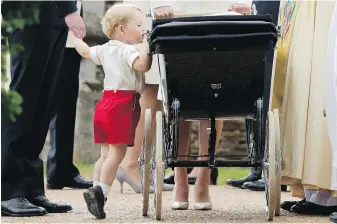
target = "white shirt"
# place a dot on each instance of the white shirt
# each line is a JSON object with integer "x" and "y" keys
{"x": 117, "y": 59}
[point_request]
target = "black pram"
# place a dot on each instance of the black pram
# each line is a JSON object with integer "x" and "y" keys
{"x": 213, "y": 67}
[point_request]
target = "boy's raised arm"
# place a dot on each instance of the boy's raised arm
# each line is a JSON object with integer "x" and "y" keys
{"x": 81, "y": 47}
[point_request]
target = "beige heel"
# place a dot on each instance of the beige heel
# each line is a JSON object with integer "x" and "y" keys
{"x": 179, "y": 205}
{"x": 203, "y": 206}
{"x": 121, "y": 183}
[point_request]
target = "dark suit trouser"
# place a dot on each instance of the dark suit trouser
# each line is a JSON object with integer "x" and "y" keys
{"x": 60, "y": 167}
{"x": 34, "y": 72}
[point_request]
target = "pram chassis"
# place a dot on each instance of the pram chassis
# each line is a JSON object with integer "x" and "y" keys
{"x": 263, "y": 144}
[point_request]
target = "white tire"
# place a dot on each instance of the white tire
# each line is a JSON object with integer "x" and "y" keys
{"x": 277, "y": 161}
{"x": 269, "y": 165}
{"x": 159, "y": 168}
{"x": 145, "y": 158}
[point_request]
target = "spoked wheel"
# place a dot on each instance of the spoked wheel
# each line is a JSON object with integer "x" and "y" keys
{"x": 159, "y": 166}
{"x": 269, "y": 165}
{"x": 278, "y": 159}
{"x": 144, "y": 163}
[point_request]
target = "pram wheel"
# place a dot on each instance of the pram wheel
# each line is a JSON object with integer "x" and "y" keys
{"x": 144, "y": 163}
{"x": 269, "y": 166}
{"x": 159, "y": 171}
{"x": 278, "y": 161}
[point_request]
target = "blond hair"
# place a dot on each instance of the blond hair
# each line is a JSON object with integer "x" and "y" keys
{"x": 118, "y": 14}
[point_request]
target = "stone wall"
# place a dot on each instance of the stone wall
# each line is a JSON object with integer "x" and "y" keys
{"x": 232, "y": 142}
{"x": 91, "y": 85}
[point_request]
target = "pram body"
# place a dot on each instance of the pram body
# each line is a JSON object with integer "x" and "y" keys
{"x": 214, "y": 68}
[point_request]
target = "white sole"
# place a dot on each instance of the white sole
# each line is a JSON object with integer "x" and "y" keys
{"x": 203, "y": 206}
{"x": 179, "y": 205}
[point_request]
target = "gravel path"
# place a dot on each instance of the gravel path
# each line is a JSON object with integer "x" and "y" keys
{"x": 230, "y": 205}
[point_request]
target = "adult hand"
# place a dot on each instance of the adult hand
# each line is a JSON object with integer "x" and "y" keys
{"x": 75, "y": 23}
{"x": 163, "y": 12}
{"x": 241, "y": 8}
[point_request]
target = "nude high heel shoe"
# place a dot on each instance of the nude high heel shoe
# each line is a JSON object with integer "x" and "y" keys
{"x": 122, "y": 177}
{"x": 203, "y": 205}
{"x": 177, "y": 205}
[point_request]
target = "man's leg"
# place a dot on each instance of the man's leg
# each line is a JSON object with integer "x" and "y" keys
{"x": 61, "y": 172}
{"x": 37, "y": 136}
{"x": 318, "y": 202}
{"x": 21, "y": 166}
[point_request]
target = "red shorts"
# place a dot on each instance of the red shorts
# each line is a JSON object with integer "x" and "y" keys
{"x": 116, "y": 117}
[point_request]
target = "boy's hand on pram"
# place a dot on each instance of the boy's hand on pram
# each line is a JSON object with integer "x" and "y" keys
{"x": 163, "y": 12}
{"x": 241, "y": 8}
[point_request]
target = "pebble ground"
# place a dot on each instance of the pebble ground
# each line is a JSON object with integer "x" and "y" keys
{"x": 230, "y": 205}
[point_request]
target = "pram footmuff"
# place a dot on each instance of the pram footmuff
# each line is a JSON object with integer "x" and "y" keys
{"x": 213, "y": 67}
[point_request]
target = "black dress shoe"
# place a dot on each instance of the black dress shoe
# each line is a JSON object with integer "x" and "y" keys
{"x": 333, "y": 217}
{"x": 78, "y": 182}
{"x": 258, "y": 185}
{"x": 286, "y": 205}
{"x": 309, "y": 208}
{"x": 169, "y": 179}
{"x": 20, "y": 207}
{"x": 191, "y": 180}
{"x": 240, "y": 182}
{"x": 51, "y": 207}
{"x": 95, "y": 200}
{"x": 284, "y": 188}
{"x": 214, "y": 176}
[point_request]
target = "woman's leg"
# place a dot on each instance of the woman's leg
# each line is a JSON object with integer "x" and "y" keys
{"x": 148, "y": 100}
{"x": 201, "y": 192}
{"x": 99, "y": 163}
{"x": 180, "y": 193}
{"x": 110, "y": 166}
{"x": 218, "y": 126}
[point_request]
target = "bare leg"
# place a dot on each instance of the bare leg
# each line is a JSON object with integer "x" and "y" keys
{"x": 201, "y": 193}
{"x": 148, "y": 100}
{"x": 180, "y": 193}
{"x": 218, "y": 125}
{"x": 105, "y": 169}
{"x": 100, "y": 161}
{"x": 110, "y": 165}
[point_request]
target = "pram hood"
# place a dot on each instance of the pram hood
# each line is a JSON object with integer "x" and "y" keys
{"x": 212, "y": 33}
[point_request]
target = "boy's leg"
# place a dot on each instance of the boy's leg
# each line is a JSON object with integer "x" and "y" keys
{"x": 99, "y": 163}
{"x": 96, "y": 196}
{"x": 110, "y": 166}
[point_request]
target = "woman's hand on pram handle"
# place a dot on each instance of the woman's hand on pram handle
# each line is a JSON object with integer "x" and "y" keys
{"x": 242, "y": 8}
{"x": 163, "y": 12}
